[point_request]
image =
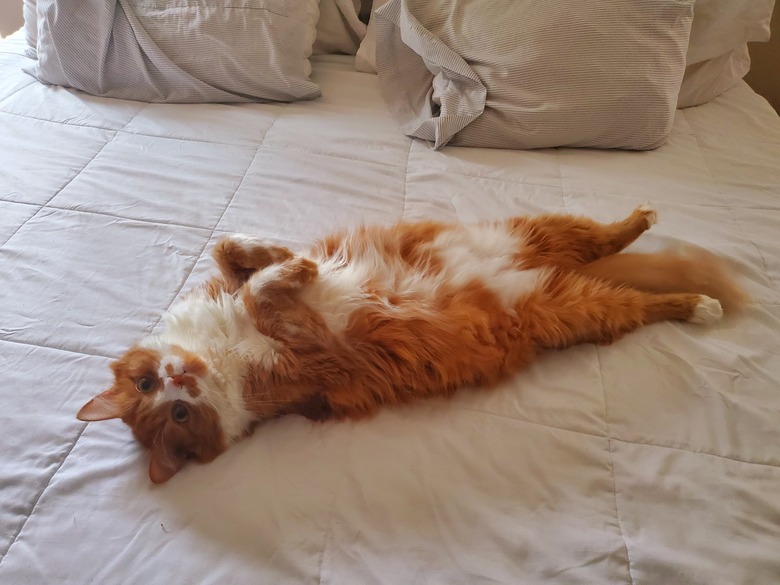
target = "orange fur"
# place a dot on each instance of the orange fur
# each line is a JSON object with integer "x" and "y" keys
{"x": 413, "y": 331}
{"x": 691, "y": 270}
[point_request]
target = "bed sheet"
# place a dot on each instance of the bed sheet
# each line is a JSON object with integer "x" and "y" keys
{"x": 654, "y": 460}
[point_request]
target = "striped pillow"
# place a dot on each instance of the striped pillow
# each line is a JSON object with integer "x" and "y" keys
{"x": 527, "y": 74}
{"x": 179, "y": 50}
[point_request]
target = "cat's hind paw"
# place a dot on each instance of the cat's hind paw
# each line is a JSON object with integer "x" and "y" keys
{"x": 650, "y": 215}
{"x": 708, "y": 310}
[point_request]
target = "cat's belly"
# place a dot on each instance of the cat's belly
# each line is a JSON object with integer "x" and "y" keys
{"x": 485, "y": 255}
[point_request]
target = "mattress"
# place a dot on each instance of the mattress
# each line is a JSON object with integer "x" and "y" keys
{"x": 652, "y": 460}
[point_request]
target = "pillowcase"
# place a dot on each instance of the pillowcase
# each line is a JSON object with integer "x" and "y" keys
{"x": 706, "y": 80}
{"x": 593, "y": 73}
{"x": 717, "y": 53}
{"x": 339, "y": 29}
{"x": 30, "y": 27}
{"x": 179, "y": 50}
{"x": 365, "y": 58}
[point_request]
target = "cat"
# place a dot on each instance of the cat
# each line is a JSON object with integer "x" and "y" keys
{"x": 385, "y": 315}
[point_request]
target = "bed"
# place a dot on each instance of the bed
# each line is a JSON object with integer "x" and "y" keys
{"x": 653, "y": 460}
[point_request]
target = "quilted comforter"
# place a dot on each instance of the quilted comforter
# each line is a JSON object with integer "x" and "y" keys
{"x": 655, "y": 460}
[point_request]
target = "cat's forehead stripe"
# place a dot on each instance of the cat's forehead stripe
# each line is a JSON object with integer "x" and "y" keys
{"x": 171, "y": 392}
{"x": 171, "y": 365}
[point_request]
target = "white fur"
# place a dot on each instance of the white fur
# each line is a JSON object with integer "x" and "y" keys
{"x": 483, "y": 252}
{"x": 652, "y": 215}
{"x": 171, "y": 392}
{"x": 176, "y": 363}
{"x": 708, "y": 310}
{"x": 338, "y": 289}
{"x": 486, "y": 253}
{"x": 221, "y": 332}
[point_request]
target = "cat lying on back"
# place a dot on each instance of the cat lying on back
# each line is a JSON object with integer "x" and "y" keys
{"x": 381, "y": 316}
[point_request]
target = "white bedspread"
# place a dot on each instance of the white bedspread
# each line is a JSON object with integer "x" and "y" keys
{"x": 652, "y": 461}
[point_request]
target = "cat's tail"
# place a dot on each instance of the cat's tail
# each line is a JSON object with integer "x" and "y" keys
{"x": 688, "y": 270}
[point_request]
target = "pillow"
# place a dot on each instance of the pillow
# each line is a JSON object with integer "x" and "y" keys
{"x": 179, "y": 50}
{"x": 593, "y": 73}
{"x": 706, "y": 80}
{"x": 30, "y": 27}
{"x": 365, "y": 59}
{"x": 339, "y": 29}
{"x": 717, "y": 53}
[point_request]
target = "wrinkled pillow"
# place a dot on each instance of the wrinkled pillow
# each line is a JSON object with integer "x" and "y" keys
{"x": 525, "y": 74}
{"x": 30, "y": 27}
{"x": 717, "y": 52}
{"x": 365, "y": 58}
{"x": 339, "y": 29}
{"x": 179, "y": 50}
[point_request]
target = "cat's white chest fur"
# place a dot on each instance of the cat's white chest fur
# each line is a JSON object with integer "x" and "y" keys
{"x": 206, "y": 325}
{"x": 221, "y": 332}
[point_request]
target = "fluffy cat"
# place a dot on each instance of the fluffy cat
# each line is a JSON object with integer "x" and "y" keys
{"x": 386, "y": 315}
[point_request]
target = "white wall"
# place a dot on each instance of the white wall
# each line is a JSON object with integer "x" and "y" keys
{"x": 11, "y": 18}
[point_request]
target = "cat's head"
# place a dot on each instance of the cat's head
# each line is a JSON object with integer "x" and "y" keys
{"x": 174, "y": 403}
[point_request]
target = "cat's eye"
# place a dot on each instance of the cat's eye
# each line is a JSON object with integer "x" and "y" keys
{"x": 145, "y": 385}
{"x": 180, "y": 413}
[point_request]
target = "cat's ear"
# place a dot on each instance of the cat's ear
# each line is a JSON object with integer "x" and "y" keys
{"x": 163, "y": 465}
{"x": 104, "y": 406}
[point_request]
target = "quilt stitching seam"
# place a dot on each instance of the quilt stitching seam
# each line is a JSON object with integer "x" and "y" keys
{"x": 216, "y": 224}
{"x": 126, "y": 132}
{"x": 734, "y": 215}
{"x": 623, "y": 196}
{"x": 626, "y": 441}
{"x": 124, "y": 217}
{"x": 533, "y": 423}
{"x": 406, "y": 178}
{"x": 65, "y": 349}
{"x": 612, "y": 470}
{"x": 47, "y": 483}
{"x": 754, "y": 245}
{"x": 27, "y": 517}
{"x": 67, "y": 182}
{"x": 13, "y": 93}
{"x": 246, "y": 145}
{"x": 735, "y": 459}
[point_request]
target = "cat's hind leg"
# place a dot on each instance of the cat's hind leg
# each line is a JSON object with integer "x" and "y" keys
{"x": 239, "y": 256}
{"x": 570, "y": 241}
{"x": 573, "y": 309}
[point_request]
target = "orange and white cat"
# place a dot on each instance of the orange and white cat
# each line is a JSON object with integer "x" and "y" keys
{"x": 386, "y": 315}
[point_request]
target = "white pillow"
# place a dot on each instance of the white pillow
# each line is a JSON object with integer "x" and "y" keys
{"x": 592, "y": 73}
{"x": 183, "y": 51}
{"x": 365, "y": 59}
{"x": 30, "y": 27}
{"x": 706, "y": 80}
{"x": 717, "y": 53}
{"x": 339, "y": 29}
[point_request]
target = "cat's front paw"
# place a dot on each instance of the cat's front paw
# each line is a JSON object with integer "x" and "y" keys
{"x": 253, "y": 246}
{"x": 287, "y": 276}
{"x": 299, "y": 271}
